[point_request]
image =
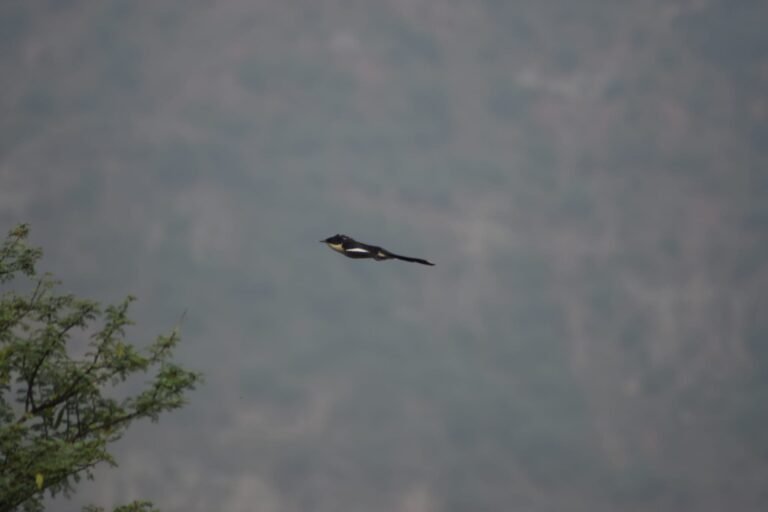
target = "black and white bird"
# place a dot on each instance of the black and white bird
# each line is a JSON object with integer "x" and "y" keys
{"x": 351, "y": 248}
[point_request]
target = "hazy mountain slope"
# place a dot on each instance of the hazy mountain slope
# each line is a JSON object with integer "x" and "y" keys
{"x": 590, "y": 180}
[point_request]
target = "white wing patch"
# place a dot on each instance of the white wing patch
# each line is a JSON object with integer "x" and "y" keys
{"x": 359, "y": 249}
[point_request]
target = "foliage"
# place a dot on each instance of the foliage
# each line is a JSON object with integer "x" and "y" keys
{"x": 59, "y": 412}
{"x": 136, "y": 506}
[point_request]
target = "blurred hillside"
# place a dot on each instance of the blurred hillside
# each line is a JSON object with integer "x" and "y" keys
{"x": 590, "y": 177}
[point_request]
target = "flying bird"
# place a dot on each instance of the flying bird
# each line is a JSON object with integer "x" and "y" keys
{"x": 351, "y": 248}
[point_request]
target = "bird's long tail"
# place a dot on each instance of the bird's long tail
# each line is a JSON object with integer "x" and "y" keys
{"x": 413, "y": 260}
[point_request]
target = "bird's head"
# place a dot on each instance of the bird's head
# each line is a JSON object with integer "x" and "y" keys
{"x": 334, "y": 240}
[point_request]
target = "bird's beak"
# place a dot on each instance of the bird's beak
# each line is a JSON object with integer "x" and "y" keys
{"x": 322, "y": 241}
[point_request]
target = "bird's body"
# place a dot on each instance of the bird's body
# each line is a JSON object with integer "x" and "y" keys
{"x": 351, "y": 248}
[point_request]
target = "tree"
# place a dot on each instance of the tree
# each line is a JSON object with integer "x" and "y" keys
{"x": 58, "y": 412}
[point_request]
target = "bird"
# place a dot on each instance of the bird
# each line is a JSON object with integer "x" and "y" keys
{"x": 351, "y": 248}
